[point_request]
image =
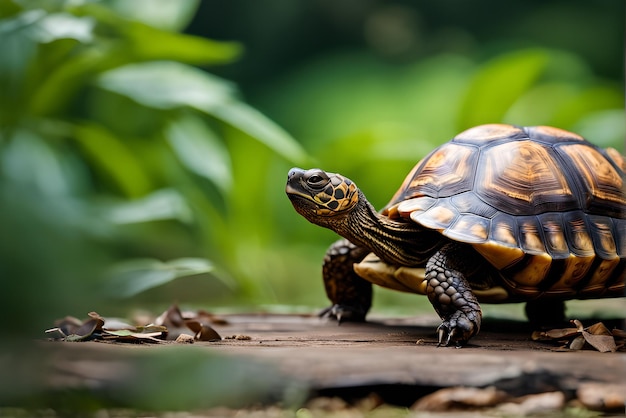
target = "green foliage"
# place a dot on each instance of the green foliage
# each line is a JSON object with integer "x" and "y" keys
{"x": 104, "y": 117}
{"x": 373, "y": 121}
{"x": 358, "y": 112}
{"x": 117, "y": 144}
{"x": 135, "y": 276}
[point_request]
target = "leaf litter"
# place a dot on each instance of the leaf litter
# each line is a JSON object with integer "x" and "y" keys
{"x": 171, "y": 325}
{"x": 596, "y": 336}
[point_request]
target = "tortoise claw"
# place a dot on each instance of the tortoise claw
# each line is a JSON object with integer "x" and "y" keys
{"x": 343, "y": 313}
{"x": 458, "y": 328}
{"x": 443, "y": 333}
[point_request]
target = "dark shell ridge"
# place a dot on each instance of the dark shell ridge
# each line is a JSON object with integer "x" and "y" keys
{"x": 525, "y": 198}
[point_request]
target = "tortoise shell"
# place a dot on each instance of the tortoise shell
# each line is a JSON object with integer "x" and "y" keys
{"x": 542, "y": 205}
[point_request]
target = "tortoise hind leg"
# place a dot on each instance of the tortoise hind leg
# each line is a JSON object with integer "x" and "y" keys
{"x": 546, "y": 313}
{"x": 451, "y": 295}
{"x": 351, "y": 295}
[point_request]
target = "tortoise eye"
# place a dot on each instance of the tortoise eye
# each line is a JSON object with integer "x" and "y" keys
{"x": 315, "y": 180}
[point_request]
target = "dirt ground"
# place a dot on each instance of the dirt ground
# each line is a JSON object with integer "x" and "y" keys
{"x": 392, "y": 363}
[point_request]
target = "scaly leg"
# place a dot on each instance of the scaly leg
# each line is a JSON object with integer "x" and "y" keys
{"x": 451, "y": 295}
{"x": 351, "y": 295}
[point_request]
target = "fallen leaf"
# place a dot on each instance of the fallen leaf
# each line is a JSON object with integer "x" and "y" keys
{"x": 55, "y": 333}
{"x": 602, "y": 343}
{"x": 68, "y": 325}
{"x": 602, "y": 396}
{"x": 618, "y": 333}
{"x": 450, "y": 399}
{"x": 535, "y": 404}
{"x": 597, "y": 336}
{"x": 115, "y": 323}
{"x": 151, "y": 328}
{"x": 577, "y": 343}
{"x": 185, "y": 339}
{"x": 203, "y": 331}
{"x": 172, "y": 317}
{"x": 86, "y": 330}
{"x": 133, "y": 337}
{"x": 554, "y": 334}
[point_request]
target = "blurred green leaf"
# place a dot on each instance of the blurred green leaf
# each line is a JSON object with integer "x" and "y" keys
{"x": 539, "y": 104}
{"x": 128, "y": 42}
{"x": 117, "y": 163}
{"x": 20, "y": 36}
{"x": 60, "y": 85}
{"x": 171, "y": 15}
{"x": 132, "y": 277}
{"x": 39, "y": 26}
{"x": 591, "y": 98}
{"x": 63, "y": 26}
{"x": 200, "y": 150}
{"x": 27, "y": 159}
{"x": 498, "y": 84}
{"x": 160, "y": 205}
{"x": 258, "y": 126}
{"x": 170, "y": 85}
{"x": 605, "y": 128}
{"x": 148, "y": 43}
{"x": 142, "y": 42}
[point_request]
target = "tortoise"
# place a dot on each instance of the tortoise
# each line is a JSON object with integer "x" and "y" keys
{"x": 500, "y": 213}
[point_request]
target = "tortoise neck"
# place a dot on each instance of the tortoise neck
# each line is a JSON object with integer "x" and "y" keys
{"x": 395, "y": 242}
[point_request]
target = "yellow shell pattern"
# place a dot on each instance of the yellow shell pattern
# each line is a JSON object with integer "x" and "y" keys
{"x": 545, "y": 207}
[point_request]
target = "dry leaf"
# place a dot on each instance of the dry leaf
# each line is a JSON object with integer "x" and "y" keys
{"x": 185, "y": 339}
{"x": 55, "y": 333}
{"x": 535, "y": 404}
{"x": 87, "y": 329}
{"x": 455, "y": 398}
{"x": 203, "y": 331}
{"x": 68, "y": 325}
{"x": 597, "y": 336}
{"x": 577, "y": 343}
{"x": 171, "y": 318}
{"x": 554, "y": 334}
{"x": 602, "y": 396}
{"x": 618, "y": 333}
{"x": 602, "y": 343}
{"x": 600, "y": 338}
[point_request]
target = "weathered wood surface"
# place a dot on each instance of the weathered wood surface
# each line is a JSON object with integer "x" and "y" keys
{"x": 404, "y": 352}
{"x": 397, "y": 358}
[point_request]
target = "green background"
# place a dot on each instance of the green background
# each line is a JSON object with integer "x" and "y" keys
{"x": 144, "y": 145}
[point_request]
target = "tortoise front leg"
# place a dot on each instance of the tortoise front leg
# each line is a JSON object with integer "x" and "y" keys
{"x": 451, "y": 295}
{"x": 351, "y": 295}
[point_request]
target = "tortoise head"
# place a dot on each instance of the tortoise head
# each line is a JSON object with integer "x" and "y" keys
{"x": 320, "y": 196}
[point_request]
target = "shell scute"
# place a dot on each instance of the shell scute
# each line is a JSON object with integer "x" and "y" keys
{"x": 530, "y": 237}
{"x": 602, "y": 275}
{"x": 602, "y": 184}
{"x": 619, "y": 232}
{"x": 469, "y": 202}
{"x": 577, "y": 233}
{"x": 446, "y": 171}
{"x": 551, "y": 135}
{"x": 527, "y": 275}
{"x": 618, "y": 160}
{"x": 488, "y": 133}
{"x": 542, "y": 205}
{"x": 418, "y": 204}
{"x": 555, "y": 240}
{"x": 438, "y": 217}
{"x": 601, "y": 228}
{"x": 523, "y": 178}
{"x": 575, "y": 269}
{"x": 469, "y": 228}
{"x": 504, "y": 230}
